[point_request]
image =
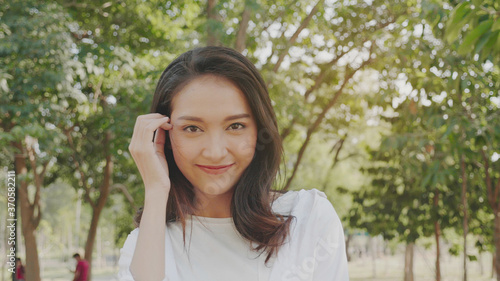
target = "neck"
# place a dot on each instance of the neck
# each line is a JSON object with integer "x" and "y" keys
{"x": 213, "y": 206}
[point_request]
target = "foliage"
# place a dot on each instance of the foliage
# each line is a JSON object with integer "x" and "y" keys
{"x": 339, "y": 72}
{"x": 478, "y": 23}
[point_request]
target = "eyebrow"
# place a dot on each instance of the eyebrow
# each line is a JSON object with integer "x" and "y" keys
{"x": 232, "y": 117}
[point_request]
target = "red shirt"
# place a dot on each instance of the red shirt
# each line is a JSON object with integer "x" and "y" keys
{"x": 83, "y": 267}
{"x": 20, "y": 273}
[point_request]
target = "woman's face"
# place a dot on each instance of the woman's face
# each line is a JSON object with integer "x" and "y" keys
{"x": 214, "y": 134}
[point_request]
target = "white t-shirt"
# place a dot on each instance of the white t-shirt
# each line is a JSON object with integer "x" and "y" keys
{"x": 314, "y": 251}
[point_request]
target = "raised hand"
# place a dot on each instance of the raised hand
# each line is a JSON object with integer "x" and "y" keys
{"x": 147, "y": 150}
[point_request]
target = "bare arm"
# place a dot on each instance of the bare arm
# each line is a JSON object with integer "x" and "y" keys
{"x": 148, "y": 261}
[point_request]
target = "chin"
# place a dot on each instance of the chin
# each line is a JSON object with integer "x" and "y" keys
{"x": 214, "y": 189}
{"x": 219, "y": 185}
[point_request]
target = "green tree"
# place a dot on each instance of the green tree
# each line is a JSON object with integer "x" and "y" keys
{"x": 475, "y": 27}
{"x": 38, "y": 74}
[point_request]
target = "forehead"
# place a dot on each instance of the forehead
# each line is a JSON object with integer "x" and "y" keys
{"x": 210, "y": 94}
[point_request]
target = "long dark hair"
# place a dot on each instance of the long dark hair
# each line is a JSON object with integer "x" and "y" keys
{"x": 251, "y": 207}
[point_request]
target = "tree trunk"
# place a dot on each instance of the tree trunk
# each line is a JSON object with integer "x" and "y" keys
{"x": 211, "y": 18}
{"x": 481, "y": 265}
{"x": 373, "y": 252}
{"x": 347, "y": 243}
{"x": 29, "y": 219}
{"x": 409, "y": 262}
{"x": 493, "y": 198}
{"x": 493, "y": 264}
{"x": 32, "y": 264}
{"x": 437, "y": 234}
{"x": 89, "y": 245}
{"x": 464, "y": 206}
{"x": 242, "y": 31}
{"x": 497, "y": 244}
{"x": 97, "y": 208}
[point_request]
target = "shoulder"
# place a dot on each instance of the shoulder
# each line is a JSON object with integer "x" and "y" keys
{"x": 313, "y": 202}
{"x": 129, "y": 245}
{"x": 310, "y": 207}
{"x": 133, "y": 233}
{"x": 316, "y": 235}
{"x": 303, "y": 202}
{"x": 313, "y": 210}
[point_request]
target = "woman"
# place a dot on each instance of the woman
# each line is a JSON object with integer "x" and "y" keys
{"x": 208, "y": 154}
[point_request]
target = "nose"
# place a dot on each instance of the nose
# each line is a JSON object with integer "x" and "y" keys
{"x": 215, "y": 149}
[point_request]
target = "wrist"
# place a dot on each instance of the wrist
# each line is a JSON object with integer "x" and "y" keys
{"x": 156, "y": 194}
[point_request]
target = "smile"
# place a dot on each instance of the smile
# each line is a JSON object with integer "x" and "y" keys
{"x": 215, "y": 170}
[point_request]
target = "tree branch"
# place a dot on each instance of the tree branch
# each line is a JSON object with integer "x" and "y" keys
{"x": 321, "y": 116}
{"x": 242, "y": 31}
{"x": 78, "y": 168}
{"x": 324, "y": 70}
{"x": 319, "y": 79}
{"x": 294, "y": 37}
{"x": 340, "y": 144}
{"x": 125, "y": 192}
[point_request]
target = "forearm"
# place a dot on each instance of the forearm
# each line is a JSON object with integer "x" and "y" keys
{"x": 148, "y": 262}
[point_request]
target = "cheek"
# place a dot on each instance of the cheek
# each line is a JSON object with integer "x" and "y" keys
{"x": 179, "y": 141}
{"x": 246, "y": 146}
{"x": 182, "y": 149}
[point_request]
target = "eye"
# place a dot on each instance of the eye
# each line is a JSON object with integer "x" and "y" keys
{"x": 236, "y": 126}
{"x": 192, "y": 129}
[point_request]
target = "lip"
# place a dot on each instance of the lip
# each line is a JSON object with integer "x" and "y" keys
{"x": 215, "y": 170}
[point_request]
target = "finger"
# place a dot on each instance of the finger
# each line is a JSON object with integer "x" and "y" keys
{"x": 153, "y": 125}
{"x": 159, "y": 143}
{"x": 139, "y": 122}
{"x": 151, "y": 116}
{"x": 160, "y": 131}
{"x": 166, "y": 126}
{"x": 160, "y": 136}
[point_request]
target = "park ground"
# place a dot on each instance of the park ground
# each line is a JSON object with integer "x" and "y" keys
{"x": 381, "y": 268}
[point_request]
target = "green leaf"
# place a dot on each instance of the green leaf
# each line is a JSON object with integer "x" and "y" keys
{"x": 482, "y": 41}
{"x": 490, "y": 44}
{"x": 426, "y": 180}
{"x": 473, "y": 36}
{"x": 496, "y": 25}
{"x": 457, "y": 14}
{"x": 455, "y": 23}
{"x": 472, "y": 257}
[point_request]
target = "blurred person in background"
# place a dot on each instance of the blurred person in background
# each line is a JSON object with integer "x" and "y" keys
{"x": 19, "y": 270}
{"x": 82, "y": 268}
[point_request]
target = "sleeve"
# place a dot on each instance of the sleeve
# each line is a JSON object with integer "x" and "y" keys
{"x": 330, "y": 254}
{"x": 126, "y": 254}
